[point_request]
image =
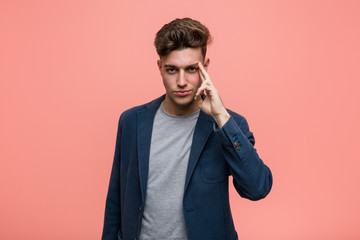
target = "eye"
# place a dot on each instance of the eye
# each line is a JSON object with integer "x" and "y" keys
{"x": 170, "y": 70}
{"x": 192, "y": 69}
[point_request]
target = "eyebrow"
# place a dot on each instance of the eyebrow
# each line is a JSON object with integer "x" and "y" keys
{"x": 194, "y": 65}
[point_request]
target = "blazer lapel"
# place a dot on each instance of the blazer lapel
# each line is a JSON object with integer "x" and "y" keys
{"x": 203, "y": 129}
{"x": 144, "y": 131}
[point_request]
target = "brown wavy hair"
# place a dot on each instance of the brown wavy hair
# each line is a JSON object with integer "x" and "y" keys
{"x": 180, "y": 34}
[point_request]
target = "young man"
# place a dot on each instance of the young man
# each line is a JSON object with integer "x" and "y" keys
{"x": 174, "y": 155}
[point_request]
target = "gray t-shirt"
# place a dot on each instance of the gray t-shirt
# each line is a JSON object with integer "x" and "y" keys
{"x": 169, "y": 155}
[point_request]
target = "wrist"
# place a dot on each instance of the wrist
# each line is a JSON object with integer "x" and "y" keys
{"x": 222, "y": 118}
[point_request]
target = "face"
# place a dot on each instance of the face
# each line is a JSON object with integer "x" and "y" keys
{"x": 181, "y": 79}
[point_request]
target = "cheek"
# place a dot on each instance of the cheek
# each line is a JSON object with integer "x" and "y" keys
{"x": 167, "y": 81}
{"x": 195, "y": 80}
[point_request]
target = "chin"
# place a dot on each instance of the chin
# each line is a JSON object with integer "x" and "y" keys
{"x": 183, "y": 102}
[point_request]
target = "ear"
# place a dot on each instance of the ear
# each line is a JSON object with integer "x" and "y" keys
{"x": 159, "y": 64}
{"x": 206, "y": 63}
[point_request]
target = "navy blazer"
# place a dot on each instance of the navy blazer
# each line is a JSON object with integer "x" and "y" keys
{"x": 215, "y": 154}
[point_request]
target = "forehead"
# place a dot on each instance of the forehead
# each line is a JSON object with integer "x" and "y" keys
{"x": 183, "y": 57}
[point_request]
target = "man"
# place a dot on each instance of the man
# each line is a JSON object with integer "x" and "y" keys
{"x": 174, "y": 155}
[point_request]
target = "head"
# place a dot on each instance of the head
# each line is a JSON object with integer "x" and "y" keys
{"x": 181, "y": 44}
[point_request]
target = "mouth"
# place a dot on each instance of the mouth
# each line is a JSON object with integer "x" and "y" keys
{"x": 182, "y": 93}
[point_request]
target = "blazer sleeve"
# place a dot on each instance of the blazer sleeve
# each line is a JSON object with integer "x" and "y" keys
{"x": 112, "y": 219}
{"x": 251, "y": 177}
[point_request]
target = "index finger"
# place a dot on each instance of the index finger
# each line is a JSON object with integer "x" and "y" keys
{"x": 203, "y": 72}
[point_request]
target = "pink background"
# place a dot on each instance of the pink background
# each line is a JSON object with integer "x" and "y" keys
{"x": 69, "y": 68}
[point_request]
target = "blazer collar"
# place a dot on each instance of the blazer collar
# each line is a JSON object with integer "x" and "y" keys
{"x": 203, "y": 129}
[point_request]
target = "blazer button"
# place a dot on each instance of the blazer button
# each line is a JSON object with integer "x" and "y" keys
{"x": 140, "y": 209}
{"x": 237, "y": 145}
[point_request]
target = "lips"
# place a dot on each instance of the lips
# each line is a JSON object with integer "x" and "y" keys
{"x": 182, "y": 93}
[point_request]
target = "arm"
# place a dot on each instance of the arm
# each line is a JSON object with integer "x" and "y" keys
{"x": 252, "y": 178}
{"x": 112, "y": 220}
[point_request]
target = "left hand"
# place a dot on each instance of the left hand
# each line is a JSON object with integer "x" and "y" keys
{"x": 212, "y": 104}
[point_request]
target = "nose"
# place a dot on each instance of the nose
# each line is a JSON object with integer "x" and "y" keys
{"x": 181, "y": 81}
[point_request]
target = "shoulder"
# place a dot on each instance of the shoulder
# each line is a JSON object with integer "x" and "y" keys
{"x": 243, "y": 125}
{"x": 131, "y": 113}
{"x": 239, "y": 119}
{"x": 241, "y": 122}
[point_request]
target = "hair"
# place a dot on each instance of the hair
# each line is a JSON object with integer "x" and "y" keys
{"x": 180, "y": 34}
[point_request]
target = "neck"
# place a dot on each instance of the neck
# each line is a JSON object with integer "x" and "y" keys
{"x": 179, "y": 110}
